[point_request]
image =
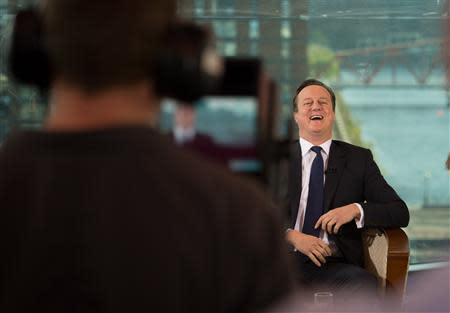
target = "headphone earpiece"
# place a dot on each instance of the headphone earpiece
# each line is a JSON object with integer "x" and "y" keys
{"x": 28, "y": 59}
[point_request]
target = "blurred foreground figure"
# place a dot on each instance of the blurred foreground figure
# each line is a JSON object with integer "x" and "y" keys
{"x": 429, "y": 291}
{"x": 101, "y": 213}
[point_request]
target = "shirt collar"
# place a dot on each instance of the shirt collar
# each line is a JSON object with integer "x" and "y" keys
{"x": 182, "y": 135}
{"x": 306, "y": 146}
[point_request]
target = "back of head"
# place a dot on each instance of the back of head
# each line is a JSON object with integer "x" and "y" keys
{"x": 103, "y": 43}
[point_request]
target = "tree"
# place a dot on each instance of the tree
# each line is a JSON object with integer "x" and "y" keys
{"x": 322, "y": 62}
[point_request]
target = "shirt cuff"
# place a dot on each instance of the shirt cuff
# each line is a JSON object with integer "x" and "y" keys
{"x": 360, "y": 221}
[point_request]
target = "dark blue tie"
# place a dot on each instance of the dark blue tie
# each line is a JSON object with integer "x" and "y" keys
{"x": 314, "y": 206}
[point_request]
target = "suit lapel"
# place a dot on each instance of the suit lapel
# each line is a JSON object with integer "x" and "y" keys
{"x": 295, "y": 180}
{"x": 336, "y": 164}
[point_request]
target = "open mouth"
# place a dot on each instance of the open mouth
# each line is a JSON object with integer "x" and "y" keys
{"x": 316, "y": 117}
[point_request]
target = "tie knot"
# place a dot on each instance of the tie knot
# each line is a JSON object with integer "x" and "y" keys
{"x": 316, "y": 149}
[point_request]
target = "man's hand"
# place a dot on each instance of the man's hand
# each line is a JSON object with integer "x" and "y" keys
{"x": 334, "y": 219}
{"x": 313, "y": 247}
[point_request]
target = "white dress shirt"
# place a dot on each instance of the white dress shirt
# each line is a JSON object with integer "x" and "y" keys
{"x": 308, "y": 157}
{"x": 183, "y": 135}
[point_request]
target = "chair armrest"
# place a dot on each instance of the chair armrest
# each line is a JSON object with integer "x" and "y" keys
{"x": 398, "y": 261}
{"x": 386, "y": 255}
{"x": 375, "y": 248}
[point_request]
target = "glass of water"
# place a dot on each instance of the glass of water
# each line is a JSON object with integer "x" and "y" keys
{"x": 323, "y": 301}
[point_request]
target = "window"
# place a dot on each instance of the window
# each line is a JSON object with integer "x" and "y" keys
{"x": 285, "y": 31}
{"x": 285, "y": 8}
{"x": 391, "y": 81}
{"x": 254, "y": 49}
{"x": 384, "y": 60}
{"x": 229, "y": 48}
{"x": 253, "y": 29}
{"x": 285, "y": 50}
{"x": 199, "y": 7}
{"x": 225, "y": 29}
{"x": 226, "y": 7}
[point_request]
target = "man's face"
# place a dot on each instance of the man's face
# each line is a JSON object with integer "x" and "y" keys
{"x": 315, "y": 115}
{"x": 185, "y": 116}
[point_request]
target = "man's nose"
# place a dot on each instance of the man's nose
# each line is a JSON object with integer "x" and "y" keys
{"x": 316, "y": 105}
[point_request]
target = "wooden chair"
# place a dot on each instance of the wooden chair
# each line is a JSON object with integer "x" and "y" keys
{"x": 386, "y": 255}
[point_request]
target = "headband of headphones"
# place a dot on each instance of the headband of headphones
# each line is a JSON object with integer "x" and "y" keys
{"x": 186, "y": 69}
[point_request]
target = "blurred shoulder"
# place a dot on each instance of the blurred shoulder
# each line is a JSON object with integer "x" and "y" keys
{"x": 348, "y": 148}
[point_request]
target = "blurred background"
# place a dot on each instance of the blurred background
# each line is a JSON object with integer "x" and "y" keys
{"x": 386, "y": 60}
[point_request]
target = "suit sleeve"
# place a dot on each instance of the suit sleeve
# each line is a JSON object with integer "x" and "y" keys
{"x": 383, "y": 206}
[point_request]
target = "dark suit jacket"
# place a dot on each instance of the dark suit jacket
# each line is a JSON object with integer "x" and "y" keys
{"x": 352, "y": 176}
{"x": 203, "y": 145}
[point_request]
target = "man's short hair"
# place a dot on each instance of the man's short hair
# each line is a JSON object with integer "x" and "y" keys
{"x": 103, "y": 43}
{"x": 313, "y": 82}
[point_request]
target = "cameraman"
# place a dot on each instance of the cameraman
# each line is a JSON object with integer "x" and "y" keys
{"x": 101, "y": 213}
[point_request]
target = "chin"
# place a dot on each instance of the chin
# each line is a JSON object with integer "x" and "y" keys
{"x": 317, "y": 131}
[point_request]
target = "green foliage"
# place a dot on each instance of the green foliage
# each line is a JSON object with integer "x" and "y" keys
{"x": 322, "y": 62}
{"x": 318, "y": 37}
{"x": 352, "y": 127}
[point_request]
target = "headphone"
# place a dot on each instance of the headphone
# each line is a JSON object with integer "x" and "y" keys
{"x": 186, "y": 69}
{"x": 188, "y": 66}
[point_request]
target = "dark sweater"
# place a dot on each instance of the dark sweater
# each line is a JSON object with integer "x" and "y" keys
{"x": 121, "y": 220}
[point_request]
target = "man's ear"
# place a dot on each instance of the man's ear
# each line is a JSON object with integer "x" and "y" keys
{"x": 294, "y": 115}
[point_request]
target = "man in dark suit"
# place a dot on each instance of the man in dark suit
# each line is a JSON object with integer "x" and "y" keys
{"x": 186, "y": 135}
{"x": 335, "y": 190}
{"x": 100, "y": 212}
